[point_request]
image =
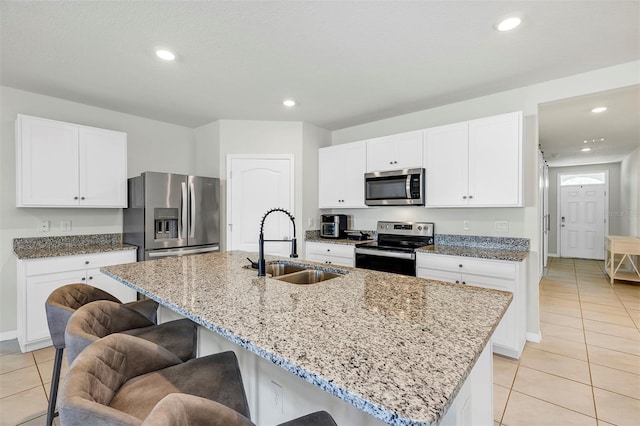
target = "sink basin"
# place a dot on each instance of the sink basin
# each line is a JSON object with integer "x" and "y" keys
{"x": 277, "y": 269}
{"x": 308, "y": 276}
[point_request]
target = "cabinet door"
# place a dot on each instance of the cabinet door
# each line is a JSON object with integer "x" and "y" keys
{"x": 439, "y": 275}
{"x": 47, "y": 163}
{"x": 401, "y": 151}
{"x": 495, "y": 161}
{"x": 108, "y": 284}
{"x": 39, "y": 288}
{"x": 446, "y": 164}
{"x": 341, "y": 176}
{"x": 103, "y": 168}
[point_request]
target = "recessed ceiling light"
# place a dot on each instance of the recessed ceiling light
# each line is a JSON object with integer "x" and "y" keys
{"x": 165, "y": 54}
{"x": 585, "y": 149}
{"x": 508, "y": 24}
{"x": 599, "y": 109}
{"x": 289, "y": 103}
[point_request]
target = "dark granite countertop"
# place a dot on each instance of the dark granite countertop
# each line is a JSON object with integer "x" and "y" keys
{"x": 479, "y": 252}
{"x": 71, "y": 245}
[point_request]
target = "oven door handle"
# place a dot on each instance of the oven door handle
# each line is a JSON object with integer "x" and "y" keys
{"x": 382, "y": 253}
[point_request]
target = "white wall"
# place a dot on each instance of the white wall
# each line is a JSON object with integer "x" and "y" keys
{"x": 614, "y": 220}
{"x": 151, "y": 145}
{"x": 524, "y": 222}
{"x": 630, "y": 194}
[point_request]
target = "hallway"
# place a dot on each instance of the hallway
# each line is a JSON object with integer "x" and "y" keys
{"x": 586, "y": 370}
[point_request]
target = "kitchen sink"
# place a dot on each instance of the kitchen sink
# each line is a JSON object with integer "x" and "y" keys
{"x": 277, "y": 269}
{"x": 298, "y": 274}
{"x": 308, "y": 276}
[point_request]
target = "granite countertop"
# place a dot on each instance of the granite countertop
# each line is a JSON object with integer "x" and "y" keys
{"x": 396, "y": 347}
{"x": 343, "y": 241}
{"x": 72, "y": 245}
{"x": 479, "y": 252}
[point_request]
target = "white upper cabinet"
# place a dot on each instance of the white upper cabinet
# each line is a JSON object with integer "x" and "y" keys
{"x": 476, "y": 163}
{"x": 341, "y": 175}
{"x": 67, "y": 165}
{"x": 394, "y": 152}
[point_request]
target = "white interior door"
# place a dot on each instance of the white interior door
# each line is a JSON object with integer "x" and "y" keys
{"x": 256, "y": 184}
{"x": 582, "y": 221}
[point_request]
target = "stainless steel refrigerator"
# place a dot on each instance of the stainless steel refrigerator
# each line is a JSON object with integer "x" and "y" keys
{"x": 172, "y": 215}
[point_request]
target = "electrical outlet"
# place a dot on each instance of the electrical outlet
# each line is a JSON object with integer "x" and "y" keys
{"x": 65, "y": 225}
{"x": 276, "y": 397}
{"x": 465, "y": 224}
{"x": 44, "y": 225}
{"x": 310, "y": 223}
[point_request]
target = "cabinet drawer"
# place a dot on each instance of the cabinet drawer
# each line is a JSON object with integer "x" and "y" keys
{"x": 467, "y": 265}
{"x": 340, "y": 250}
{"x": 438, "y": 275}
{"x": 72, "y": 263}
{"x": 331, "y": 260}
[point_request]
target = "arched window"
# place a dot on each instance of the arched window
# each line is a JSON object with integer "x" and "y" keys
{"x": 596, "y": 178}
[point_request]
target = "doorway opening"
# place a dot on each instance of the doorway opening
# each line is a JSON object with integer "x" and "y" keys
{"x": 582, "y": 220}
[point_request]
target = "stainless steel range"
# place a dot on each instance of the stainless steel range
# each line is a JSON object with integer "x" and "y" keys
{"x": 395, "y": 250}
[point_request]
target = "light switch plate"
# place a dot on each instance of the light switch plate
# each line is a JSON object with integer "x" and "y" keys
{"x": 502, "y": 226}
{"x": 65, "y": 225}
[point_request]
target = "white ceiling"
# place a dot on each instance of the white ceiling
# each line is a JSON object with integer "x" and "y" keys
{"x": 345, "y": 62}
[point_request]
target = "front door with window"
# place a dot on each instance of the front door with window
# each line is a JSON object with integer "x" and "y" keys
{"x": 582, "y": 221}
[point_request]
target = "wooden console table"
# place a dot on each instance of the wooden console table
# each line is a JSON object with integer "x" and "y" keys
{"x": 627, "y": 247}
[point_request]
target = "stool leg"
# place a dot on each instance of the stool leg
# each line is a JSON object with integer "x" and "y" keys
{"x": 53, "y": 393}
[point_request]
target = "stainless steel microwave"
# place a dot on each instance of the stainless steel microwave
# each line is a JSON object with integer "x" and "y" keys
{"x": 394, "y": 188}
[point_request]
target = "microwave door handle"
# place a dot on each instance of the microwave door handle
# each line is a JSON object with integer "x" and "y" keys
{"x": 183, "y": 216}
{"x": 192, "y": 222}
{"x": 408, "y": 187}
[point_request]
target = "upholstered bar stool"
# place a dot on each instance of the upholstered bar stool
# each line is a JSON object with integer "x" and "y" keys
{"x": 103, "y": 317}
{"x": 189, "y": 410}
{"x": 59, "y": 307}
{"x": 119, "y": 379}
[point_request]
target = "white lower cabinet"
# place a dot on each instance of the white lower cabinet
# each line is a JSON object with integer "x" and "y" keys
{"x": 510, "y": 335}
{"x": 38, "y": 278}
{"x": 334, "y": 254}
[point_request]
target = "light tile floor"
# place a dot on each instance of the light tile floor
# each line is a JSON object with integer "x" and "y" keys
{"x": 586, "y": 371}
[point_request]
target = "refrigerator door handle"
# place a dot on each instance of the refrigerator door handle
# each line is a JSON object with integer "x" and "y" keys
{"x": 192, "y": 220}
{"x": 183, "y": 215}
{"x": 168, "y": 253}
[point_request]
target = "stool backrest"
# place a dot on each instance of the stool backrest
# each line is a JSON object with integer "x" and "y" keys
{"x": 99, "y": 319}
{"x": 64, "y": 301}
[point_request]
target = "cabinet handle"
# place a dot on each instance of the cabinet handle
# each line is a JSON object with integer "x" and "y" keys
{"x": 86, "y": 262}
{"x": 390, "y": 162}
{"x": 464, "y": 197}
{"x": 470, "y": 196}
{"x": 82, "y": 198}
{"x": 457, "y": 282}
{"x": 395, "y": 162}
{"x": 75, "y": 198}
{"x": 460, "y": 265}
{"x": 90, "y": 278}
{"x": 83, "y": 279}
{"x": 464, "y": 282}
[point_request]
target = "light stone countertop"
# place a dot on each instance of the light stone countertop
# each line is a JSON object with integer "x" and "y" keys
{"x": 479, "y": 252}
{"x": 396, "y": 347}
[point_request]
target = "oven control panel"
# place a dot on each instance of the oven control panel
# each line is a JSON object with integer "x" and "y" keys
{"x": 421, "y": 229}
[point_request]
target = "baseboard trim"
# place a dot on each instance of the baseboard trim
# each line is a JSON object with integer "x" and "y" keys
{"x": 552, "y": 254}
{"x": 8, "y": 335}
{"x": 534, "y": 337}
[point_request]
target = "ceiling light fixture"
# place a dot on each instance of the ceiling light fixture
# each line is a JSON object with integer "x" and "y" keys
{"x": 509, "y": 24}
{"x": 594, "y": 140}
{"x": 289, "y": 103}
{"x": 165, "y": 54}
{"x": 599, "y": 109}
{"x": 585, "y": 149}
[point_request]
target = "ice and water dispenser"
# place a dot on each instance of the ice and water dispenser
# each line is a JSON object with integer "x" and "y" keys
{"x": 166, "y": 223}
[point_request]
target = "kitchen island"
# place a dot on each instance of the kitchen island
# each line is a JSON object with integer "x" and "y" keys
{"x": 398, "y": 348}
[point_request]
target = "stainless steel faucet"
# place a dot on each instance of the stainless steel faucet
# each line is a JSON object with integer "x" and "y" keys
{"x": 261, "y": 240}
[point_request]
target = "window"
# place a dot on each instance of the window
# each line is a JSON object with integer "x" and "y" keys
{"x": 596, "y": 178}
